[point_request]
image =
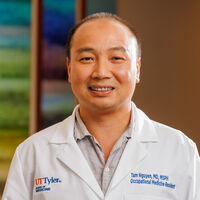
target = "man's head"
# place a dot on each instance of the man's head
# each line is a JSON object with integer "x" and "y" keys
{"x": 103, "y": 63}
{"x": 99, "y": 16}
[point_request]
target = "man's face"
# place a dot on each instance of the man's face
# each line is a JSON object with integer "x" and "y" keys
{"x": 103, "y": 69}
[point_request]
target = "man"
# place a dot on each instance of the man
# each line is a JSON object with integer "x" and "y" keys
{"x": 108, "y": 149}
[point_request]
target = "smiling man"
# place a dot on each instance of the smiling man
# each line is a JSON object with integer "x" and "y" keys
{"x": 103, "y": 69}
{"x": 107, "y": 149}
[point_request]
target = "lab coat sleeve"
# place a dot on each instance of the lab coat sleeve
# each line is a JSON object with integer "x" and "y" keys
{"x": 194, "y": 168}
{"x": 197, "y": 175}
{"x": 15, "y": 187}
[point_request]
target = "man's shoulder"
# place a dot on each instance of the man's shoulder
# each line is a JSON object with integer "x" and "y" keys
{"x": 168, "y": 132}
{"x": 174, "y": 140}
{"x": 167, "y": 137}
{"x": 45, "y": 136}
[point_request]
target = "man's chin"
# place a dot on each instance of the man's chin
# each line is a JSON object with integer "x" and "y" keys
{"x": 99, "y": 106}
{"x": 103, "y": 107}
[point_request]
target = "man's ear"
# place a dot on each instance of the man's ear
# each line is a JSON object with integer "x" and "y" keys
{"x": 68, "y": 65}
{"x": 138, "y": 66}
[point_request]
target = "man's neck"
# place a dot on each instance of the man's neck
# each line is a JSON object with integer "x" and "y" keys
{"x": 106, "y": 127}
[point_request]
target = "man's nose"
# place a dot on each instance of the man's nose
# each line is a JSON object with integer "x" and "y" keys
{"x": 101, "y": 69}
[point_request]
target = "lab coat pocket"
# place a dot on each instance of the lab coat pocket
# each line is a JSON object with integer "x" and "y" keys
{"x": 143, "y": 197}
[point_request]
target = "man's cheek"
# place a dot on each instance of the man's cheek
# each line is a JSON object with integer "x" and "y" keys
{"x": 125, "y": 76}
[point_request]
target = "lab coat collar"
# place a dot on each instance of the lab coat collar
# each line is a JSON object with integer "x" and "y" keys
{"x": 70, "y": 154}
{"x": 65, "y": 130}
{"x": 144, "y": 130}
{"x": 136, "y": 150}
{"x": 134, "y": 153}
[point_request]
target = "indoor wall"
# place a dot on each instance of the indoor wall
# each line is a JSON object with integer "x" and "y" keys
{"x": 169, "y": 90}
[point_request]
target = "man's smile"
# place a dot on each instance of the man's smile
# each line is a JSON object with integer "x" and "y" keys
{"x": 101, "y": 88}
{"x": 101, "y": 91}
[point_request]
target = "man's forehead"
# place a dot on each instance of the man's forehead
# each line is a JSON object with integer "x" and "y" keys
{"x": 103, "y": 35}
{"x": 104, "y": 23}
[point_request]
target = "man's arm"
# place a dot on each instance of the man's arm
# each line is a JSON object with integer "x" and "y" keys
{"x": 16, "y": 188}
{"x": 195, "y": 174}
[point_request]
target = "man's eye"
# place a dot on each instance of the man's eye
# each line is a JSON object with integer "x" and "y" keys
{"x": 117, "y": 58}
{"x": 86, "y": 59}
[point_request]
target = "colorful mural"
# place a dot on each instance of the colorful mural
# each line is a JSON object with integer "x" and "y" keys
{"x": 57, "y": 100}
{"x": 14, "y": 78}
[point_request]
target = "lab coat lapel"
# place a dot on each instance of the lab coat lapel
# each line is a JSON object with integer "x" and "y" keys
{"x": 135, "y": 151}
{"x": 70, "y": 154}
{"x": 73, "y": 158}
{"x": 132, "y": 156}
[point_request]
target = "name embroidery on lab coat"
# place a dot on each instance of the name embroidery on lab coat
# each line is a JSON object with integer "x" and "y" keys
{"x": 152, "y": 179}
{"x": 44, "y": 183}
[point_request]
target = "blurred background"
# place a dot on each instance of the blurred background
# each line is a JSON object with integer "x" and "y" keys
{"x": 34, "y": 92}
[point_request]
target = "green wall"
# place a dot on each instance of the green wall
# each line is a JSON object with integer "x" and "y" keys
{"x": 93, "y": 6}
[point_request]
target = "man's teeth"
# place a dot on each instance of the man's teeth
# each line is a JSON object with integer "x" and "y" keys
{"x": 101, "y": 89}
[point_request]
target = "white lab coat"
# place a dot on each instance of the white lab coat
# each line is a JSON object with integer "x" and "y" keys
{"x": 158, "y": 163}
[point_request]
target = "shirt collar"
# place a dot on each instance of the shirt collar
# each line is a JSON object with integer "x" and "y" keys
{"x": 143, "y": 128}
{"x": 80, "y": 130}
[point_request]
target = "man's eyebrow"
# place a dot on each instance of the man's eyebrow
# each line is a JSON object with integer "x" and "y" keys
{"x": 86, "y": 49}
{"x": 80, "y": 50}
{"x": 118, "y": 48}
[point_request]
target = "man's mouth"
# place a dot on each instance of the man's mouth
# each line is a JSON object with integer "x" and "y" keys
{"x": 101, "y": 89}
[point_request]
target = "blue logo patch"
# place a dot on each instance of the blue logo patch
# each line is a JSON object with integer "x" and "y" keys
{"x": 44, "y": 183}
